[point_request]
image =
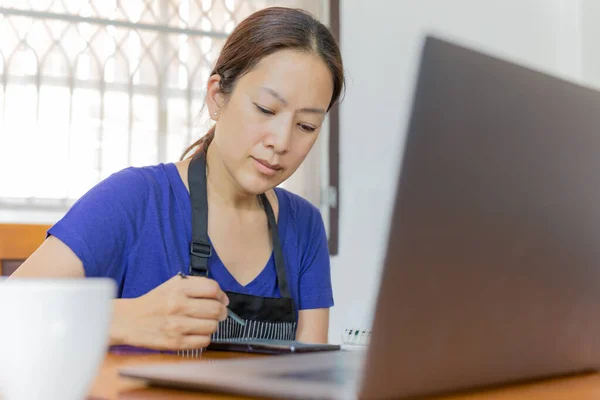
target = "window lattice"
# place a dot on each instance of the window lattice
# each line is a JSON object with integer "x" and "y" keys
{"x": 88, "y": 88}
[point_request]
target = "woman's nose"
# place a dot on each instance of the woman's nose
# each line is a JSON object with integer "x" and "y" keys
{"x": 279, "y": 138}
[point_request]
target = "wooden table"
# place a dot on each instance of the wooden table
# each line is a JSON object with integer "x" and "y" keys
{"x": 108, "y": 384}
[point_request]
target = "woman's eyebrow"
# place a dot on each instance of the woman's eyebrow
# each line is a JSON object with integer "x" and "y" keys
{"x": 284, "y": 101}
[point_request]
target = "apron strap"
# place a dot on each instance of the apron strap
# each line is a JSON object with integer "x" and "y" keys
{"x": 279, "y": 260}
{"x": 200, "y": 247}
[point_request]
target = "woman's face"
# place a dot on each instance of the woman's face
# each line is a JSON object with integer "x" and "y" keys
{"x": 272, "y": 118}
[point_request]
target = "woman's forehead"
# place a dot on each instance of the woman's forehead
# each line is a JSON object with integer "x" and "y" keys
{"x": 292, "y": 73}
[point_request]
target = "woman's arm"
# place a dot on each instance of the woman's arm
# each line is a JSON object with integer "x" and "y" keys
{"x": 52, "y": 259}
{"x": 313, "y": 326}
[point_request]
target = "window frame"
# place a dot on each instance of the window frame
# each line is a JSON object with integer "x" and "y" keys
{"x": 330, "y": 165}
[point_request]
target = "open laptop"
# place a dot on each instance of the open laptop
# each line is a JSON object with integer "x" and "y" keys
{"x": 492, "y": 271}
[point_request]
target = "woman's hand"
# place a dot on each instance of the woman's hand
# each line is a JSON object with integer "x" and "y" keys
{"x": 179, "y": 314}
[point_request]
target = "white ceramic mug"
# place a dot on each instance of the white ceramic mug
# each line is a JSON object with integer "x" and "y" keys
{"x": 53, "y": 336}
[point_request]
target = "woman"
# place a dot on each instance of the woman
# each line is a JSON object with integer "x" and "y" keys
{"x": 210, "y": 215}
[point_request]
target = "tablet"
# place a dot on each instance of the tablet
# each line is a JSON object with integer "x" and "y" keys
{"x": 269, "y": 346}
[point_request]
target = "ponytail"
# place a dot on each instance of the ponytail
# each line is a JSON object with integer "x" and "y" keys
{"x": 201, "y": 144}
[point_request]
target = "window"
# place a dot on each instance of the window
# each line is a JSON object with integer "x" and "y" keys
{"x": 89, "y": 88}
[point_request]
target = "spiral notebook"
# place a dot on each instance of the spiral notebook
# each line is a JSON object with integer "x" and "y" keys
{"x": 352, "y": 339}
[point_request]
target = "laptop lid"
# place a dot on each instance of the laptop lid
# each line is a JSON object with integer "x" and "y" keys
{"x": 492, "y": 271}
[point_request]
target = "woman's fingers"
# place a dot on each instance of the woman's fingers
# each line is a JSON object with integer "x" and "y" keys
{"x": 205, "y": 309}
{"x": 200, "y": 287}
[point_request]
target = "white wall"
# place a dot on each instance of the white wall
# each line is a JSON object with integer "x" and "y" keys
{"x": 590, "y": 29}
{"x": 380, "y": 41}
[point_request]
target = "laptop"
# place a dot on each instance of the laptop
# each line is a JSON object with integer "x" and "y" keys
{"x": 492, "y": 269}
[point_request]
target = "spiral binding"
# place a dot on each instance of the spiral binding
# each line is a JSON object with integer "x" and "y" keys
{"x": 229, "y": 329}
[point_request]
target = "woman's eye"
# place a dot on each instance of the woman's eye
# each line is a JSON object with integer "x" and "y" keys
{"x": 264, "y": 110}
{"x": 307, "y": 128}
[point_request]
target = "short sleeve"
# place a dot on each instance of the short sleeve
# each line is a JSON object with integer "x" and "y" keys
{"x": 315, "y": 289}
{"x": 102, "y": 227}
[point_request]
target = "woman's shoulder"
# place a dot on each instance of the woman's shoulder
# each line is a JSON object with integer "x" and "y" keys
{"x": 156, "y": 174}
{"x": 299, "y": 212}
{"x": 295, "y": 204}
{"x": 139, "y": 179}
{"x": 103, "y": 225}
{"x": 129, "y": 188}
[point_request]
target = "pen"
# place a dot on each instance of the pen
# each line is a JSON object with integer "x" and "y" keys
{"x": 230, "y": 313}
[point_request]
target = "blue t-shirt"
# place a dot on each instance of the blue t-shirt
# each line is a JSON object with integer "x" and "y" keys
{"x": 136, "y": 226}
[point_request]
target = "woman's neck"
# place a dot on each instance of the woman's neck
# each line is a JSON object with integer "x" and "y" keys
{"x": 221, "y": 185}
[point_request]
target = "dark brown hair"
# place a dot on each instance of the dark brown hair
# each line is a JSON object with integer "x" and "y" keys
{"x": 266, "y": 32}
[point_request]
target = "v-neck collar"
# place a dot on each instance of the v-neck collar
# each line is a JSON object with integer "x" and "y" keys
{"x": 220, "y": 272}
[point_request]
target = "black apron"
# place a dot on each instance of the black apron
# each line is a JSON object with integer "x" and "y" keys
{"x": 265, "y": 317}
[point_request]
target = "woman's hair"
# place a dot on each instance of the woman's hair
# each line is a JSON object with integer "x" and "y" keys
{"x": 266, "y": 32}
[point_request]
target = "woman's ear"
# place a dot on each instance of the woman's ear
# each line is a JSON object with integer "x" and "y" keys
{"x": 214, "y": 99}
